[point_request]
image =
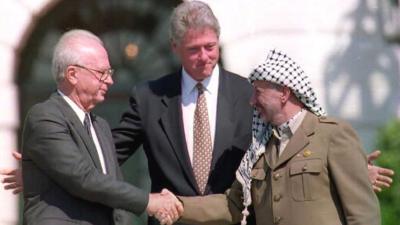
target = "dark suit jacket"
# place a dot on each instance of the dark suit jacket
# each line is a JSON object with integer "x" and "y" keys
{"x": 63, "y": 181}
{"x": 154, "y": 120}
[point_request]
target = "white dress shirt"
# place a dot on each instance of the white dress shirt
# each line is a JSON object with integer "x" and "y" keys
{"x": 81, "y": 114}
{"x": 189, "y": 99}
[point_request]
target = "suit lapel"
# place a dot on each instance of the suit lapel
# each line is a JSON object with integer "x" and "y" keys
{"x": 171, "y": 123}
{"x": 106, "y": 146}
{"x": 77, "y": 125}
{"x": 300, "y": 138}
{"x": 223, "y": 127}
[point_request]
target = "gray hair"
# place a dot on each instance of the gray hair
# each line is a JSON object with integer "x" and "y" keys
{"x": 191, "y": 14}
{"x": 66, "y": 51}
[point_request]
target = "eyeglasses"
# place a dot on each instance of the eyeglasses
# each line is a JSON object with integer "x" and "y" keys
{"x": 104, "y": 74}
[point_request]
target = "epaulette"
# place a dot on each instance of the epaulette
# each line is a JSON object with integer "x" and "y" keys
{"x": 325, "y": 119}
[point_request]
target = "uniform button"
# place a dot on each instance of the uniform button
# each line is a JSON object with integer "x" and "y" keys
{"x": 304, "y": 168}
{"x": 277, "y": 219}
{"x": 277, "y": 176}
{"x": 277, "y": 197}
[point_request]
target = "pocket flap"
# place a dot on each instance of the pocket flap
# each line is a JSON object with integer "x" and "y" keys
{"x": 258, "y": 174}
{"x": 306, "y": 166}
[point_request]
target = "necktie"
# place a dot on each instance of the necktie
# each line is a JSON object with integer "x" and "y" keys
{"x": 86, "y": 124}
{"x": 275, "y": 147}
{"x": 202, "y": 149}
{"x": 101, "y": 154}
{"x": 275, "y": 151}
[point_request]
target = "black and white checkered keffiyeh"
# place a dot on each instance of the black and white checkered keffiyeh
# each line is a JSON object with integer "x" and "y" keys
{"x": 282, "y": 70}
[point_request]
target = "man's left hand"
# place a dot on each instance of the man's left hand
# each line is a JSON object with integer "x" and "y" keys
{"x": 380, "y": 177}
{"x": 12, "y": 178}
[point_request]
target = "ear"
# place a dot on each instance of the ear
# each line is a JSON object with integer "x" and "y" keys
{"x": 174, "y": 46}
{"x": 286, "y": 92}
{"x": 70, "y": 74}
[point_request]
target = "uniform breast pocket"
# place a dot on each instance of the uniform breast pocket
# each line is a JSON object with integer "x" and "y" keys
{"x": 259, "y": 185}
{"x": 303, "y": 179}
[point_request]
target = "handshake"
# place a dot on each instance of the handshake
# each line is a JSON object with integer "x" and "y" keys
{"x": 164, "y": 206}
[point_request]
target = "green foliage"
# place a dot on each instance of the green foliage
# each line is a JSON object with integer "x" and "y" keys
{"x": 389, "y": 143}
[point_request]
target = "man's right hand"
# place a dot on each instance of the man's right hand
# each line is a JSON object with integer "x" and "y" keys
{"x": 12, "y": 178}
{"x": 165, "y": 207}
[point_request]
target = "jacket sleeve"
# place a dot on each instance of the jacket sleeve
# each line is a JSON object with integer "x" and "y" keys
{"x": 348, "y": 166}
{"x": 217, "y": 209}
{"x": 48, "y": 141}
{"x": 128, "y": 136}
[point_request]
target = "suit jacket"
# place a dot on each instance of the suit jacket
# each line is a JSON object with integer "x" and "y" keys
{"x": 63, "y": 181}
{"x": 320, "y": 178}
{"x": 154, "y": 120}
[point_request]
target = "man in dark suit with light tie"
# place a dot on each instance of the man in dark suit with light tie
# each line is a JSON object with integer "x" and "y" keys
{"x": 162, "y": 113}
{"x": 70, "y": 170}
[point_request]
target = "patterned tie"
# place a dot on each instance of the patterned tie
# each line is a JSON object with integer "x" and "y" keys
{"x": 202, "y": 149}
{"x": 86, "y": 124}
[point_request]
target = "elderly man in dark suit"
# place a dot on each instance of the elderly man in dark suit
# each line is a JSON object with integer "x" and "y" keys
{"x": 191, "y": 150}
{"x": 70, "y": 170}
{"x": 301, "y": 168}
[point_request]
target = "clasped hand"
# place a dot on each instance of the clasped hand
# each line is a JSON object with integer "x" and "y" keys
{"x": 165, "y": 207}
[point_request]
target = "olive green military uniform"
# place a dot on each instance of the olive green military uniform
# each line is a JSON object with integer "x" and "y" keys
{"x": 321, "y": 178}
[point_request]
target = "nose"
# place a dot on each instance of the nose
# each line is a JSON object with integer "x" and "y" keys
{"x": 109, "y": 81}
{"x": 203, "y": 54}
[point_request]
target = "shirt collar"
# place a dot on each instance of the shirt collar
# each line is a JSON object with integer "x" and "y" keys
{"x": 287, "y": 129}
{"x": 210, "y": 83}
{"x": 79, "y": 112}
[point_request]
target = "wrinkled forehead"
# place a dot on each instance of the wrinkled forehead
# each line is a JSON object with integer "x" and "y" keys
{"x": 260, "y": 83}
{"x": 265, "y": 84}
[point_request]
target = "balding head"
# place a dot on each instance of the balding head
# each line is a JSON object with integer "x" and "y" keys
{"x": 68, "y": 50}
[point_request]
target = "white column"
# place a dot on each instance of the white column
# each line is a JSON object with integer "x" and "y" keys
{"x": 15, "y": 18}
{"x": 9, "y": 122}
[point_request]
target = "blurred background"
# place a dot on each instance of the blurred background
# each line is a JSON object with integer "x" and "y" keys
{"x": 349, "y": 49}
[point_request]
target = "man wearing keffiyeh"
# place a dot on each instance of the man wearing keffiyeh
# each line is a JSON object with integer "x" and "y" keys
{"x": 302, "y": 167}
